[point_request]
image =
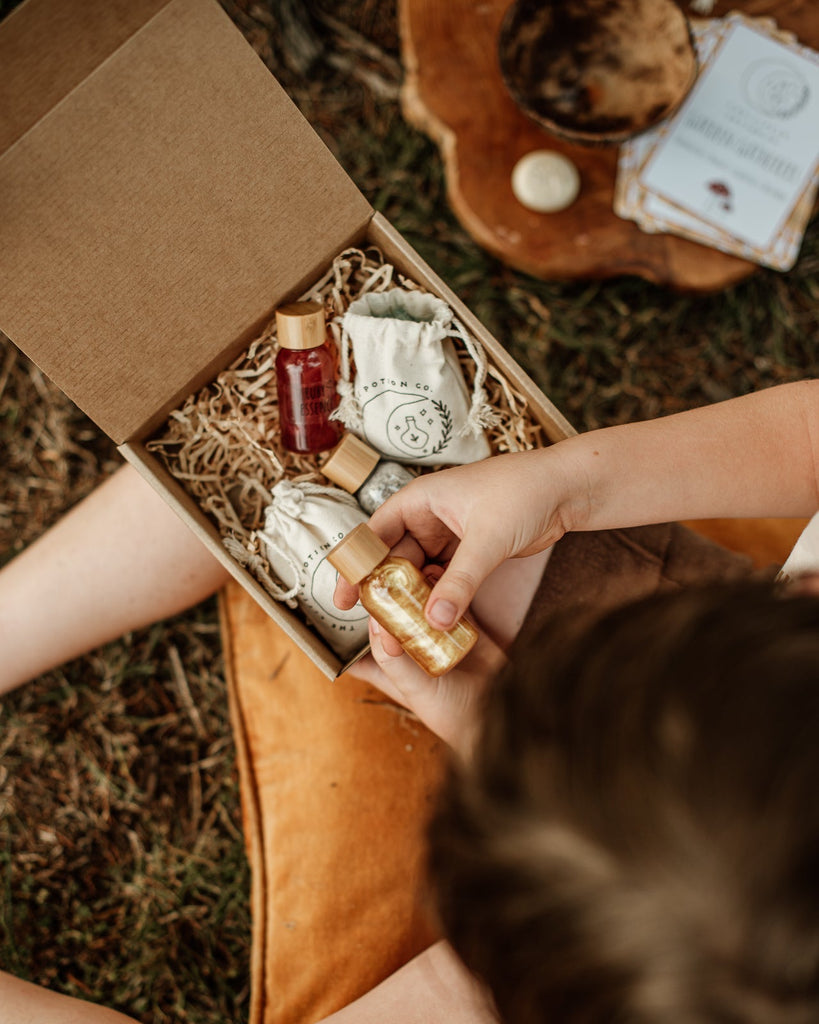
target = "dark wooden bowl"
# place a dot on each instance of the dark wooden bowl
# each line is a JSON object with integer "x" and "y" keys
{"x": 597, "y": 71}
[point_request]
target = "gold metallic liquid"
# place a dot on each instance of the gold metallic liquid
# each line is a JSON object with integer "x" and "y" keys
{"x": 394, "y": 594}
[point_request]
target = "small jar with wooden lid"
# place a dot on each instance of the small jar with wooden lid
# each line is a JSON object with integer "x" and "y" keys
{"x": 395, "y": 593}
{"x": 361, "y": 470}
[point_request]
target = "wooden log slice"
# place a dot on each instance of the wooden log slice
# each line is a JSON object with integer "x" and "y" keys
{"x": 454, "y": 92}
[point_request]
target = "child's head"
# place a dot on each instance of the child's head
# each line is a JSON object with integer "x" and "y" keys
{"x": 638, "y": 838}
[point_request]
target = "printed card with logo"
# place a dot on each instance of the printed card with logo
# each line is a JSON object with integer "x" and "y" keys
{"x": 736, "y": 168}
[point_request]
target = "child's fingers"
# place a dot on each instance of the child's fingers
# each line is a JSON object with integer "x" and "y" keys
{"x": 389, "y": 645}
{"x": 345, "y": 594}
{"x": 370, "y": 671}
{"x": 448, "y": 704}
{"x": 433, "y": 572}
{"x": 407, "y": 680}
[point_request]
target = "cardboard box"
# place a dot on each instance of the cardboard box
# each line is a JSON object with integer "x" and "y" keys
{"x": 160, "y": 195}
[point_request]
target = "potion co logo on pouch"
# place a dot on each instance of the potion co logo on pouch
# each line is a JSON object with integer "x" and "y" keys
{"x": 318, "y": 588}
{"x": 401, "y": 383}
{"x": 302, "y": 524}
{"x": 405, "y": 423}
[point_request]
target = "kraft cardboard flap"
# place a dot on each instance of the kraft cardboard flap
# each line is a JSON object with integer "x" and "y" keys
{"x": 150, "y": 221}
{"x": 46, "y": 49}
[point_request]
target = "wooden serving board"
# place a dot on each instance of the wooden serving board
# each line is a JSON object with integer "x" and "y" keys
{"x": 453, "y": 91}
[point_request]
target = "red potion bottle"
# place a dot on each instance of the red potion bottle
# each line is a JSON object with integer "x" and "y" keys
{"x": 306, "y": 371}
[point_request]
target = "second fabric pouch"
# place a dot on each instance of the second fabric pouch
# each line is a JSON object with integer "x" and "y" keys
{"x": 408, "y": 398}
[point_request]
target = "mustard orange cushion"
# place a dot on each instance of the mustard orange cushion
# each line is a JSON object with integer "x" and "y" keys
{"x": 337, "y": 783}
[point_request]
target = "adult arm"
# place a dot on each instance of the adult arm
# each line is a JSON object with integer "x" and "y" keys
{"x": 757, "y": 455}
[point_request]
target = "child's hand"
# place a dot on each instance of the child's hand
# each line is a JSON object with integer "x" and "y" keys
{"x": 449, "y": 705}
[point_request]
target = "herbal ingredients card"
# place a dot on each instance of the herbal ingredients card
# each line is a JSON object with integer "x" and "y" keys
{"x": 737, "y": 167}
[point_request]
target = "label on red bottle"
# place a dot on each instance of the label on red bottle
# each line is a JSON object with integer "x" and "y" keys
{"x": 318, "y": 399}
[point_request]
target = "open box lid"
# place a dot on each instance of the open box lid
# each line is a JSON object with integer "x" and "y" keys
{"x": 160, "y": 194}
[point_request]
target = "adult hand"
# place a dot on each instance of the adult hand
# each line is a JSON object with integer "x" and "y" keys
{"x": 471, "y": 518}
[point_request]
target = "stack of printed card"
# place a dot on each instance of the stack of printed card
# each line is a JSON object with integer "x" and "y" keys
{"x": 737, "y": 167}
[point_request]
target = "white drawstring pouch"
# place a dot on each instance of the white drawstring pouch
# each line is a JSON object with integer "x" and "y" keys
{"x": 409, "y": 399}
{"x": 302, "y": 523}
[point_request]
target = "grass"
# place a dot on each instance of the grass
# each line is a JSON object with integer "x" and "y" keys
{"x": 123, "y": 871}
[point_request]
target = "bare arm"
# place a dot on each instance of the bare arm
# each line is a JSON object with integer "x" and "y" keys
{"x": 120, "y": 560}
{"x": 24, "y": 1003}
{"x": 434, "y": 987}
{"x": 757, "y": 455}
{"x": 752, "y": 456}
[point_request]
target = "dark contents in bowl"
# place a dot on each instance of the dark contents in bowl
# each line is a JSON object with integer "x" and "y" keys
{"x": 597, "y": 69}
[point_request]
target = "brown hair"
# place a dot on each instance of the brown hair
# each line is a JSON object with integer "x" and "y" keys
{"x": 638, "y": 837}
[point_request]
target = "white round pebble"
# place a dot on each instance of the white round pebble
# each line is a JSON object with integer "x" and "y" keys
{"x": 545, "y": 181}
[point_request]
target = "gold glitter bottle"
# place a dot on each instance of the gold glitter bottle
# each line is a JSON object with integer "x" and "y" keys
{"x": 394, "y": 592}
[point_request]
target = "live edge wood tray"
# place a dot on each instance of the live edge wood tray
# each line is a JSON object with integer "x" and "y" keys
{"x": 453, "y": 91}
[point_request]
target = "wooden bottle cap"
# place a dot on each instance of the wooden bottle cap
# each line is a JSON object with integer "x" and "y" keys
{"x": 301, "y": 325}
{"x": 358, "y": 554}
{"x": 350, "y": 463}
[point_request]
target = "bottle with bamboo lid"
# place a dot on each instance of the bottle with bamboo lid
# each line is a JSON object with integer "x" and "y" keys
{"x": 394, "y": 592}
{"x": 306, "y": 372}
{"x": 361, "y": 470}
